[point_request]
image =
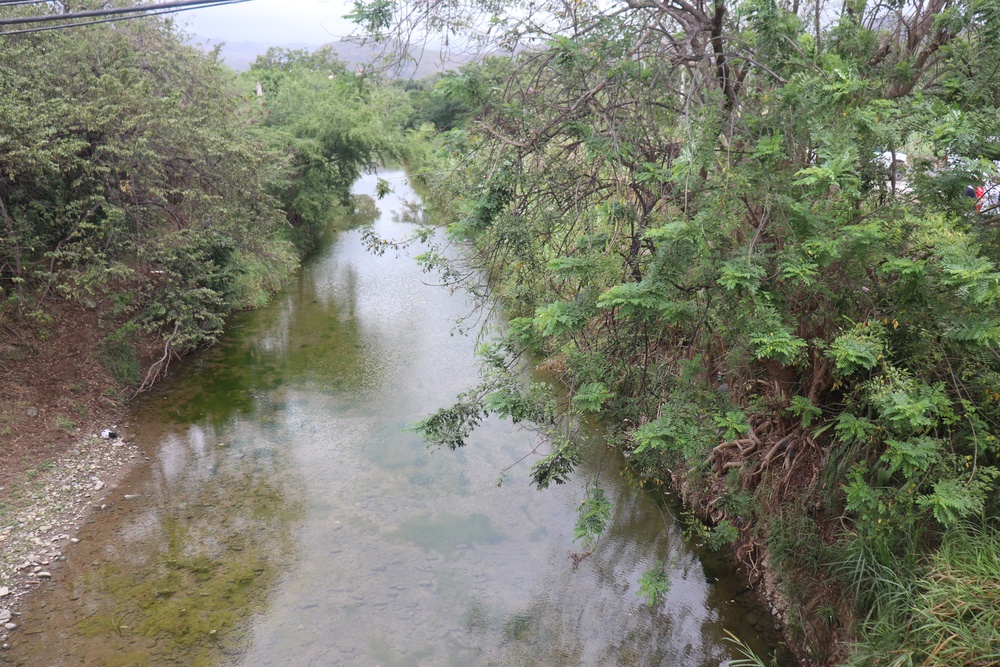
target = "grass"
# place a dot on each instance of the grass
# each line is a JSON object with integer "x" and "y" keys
{"x": 749, "y": 659}
{"x": 947, "y": 614}
{"x": 65, "y": 423}
{"x": 119, "y": 358}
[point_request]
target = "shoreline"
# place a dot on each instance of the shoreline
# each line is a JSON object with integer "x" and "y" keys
{"x": 45, "y": 508}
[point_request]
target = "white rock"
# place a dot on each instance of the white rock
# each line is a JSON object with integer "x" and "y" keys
{"x": 4, "y": 591}
{"x": 99, "y": 485}
{"x": 4, "y": 615}
{"x": 44, "y": 575}
{"x": 10, "y": 626}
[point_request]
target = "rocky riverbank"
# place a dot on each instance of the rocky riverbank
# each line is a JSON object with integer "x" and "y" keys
{"x": 44, "y": 508}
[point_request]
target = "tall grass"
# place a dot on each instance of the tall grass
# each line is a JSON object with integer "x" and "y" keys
{"x": 946, "y": 614}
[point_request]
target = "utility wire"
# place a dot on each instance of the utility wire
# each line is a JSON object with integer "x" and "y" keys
{"x": 10, "y": 3}
{"x": 62, "y": 26}
{"x": 141, "y": 10}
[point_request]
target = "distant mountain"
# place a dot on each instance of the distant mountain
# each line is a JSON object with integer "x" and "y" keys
{"x": 239, "y": 56}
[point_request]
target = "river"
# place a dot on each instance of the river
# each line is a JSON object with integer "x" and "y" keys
{"x": 285, "y": 516}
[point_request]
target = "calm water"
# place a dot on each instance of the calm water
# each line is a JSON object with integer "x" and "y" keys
{"x": 286, "y": 518}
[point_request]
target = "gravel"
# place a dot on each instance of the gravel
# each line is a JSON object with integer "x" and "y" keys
{"x": 41, "y": 514}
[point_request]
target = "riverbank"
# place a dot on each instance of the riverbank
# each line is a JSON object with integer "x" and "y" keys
{"x": 57, "y": 471}
{"x": 44, "y": 510}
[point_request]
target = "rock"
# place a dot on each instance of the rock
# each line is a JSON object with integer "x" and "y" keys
{"x": 44, "y": 575}
{"x": 4, "y": 591}
{"x": 6, "y": 646}
{"x": 98, "y": 485}
{"x": 74, "y": 540}
{"x": 31, "y": 412}
{"x": 108, "y": 434}
{"x": 131, "y": 496}
{"x": 10, "y": 626}
{"x": 4, "y": 615}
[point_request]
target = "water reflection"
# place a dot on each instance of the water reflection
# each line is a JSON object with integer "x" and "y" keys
{"x": 287, "y": 518}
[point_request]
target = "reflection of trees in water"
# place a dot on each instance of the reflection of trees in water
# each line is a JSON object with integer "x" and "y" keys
{"x": 365, "y": 212}
{"x": 311, "y": 335}
{"x": 413, "y": 212}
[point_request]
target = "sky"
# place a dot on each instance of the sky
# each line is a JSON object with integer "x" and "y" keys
{"x": 273, "y": 22}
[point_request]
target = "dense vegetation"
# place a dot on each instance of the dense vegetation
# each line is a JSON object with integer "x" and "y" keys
{"x": 141, "y": 179}
{"x": 690, "y": 210}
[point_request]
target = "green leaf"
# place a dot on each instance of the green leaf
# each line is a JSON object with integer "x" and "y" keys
{"x": 734, "y": 423}
{"x": 654, "y": 584}
{"x": 557, "y": 466}
{"x": 912, "y": 457}
{"x": 859, "y": 349}
{"x": 593, "y": 517}
{"x": 591, "y": 397}
{"x": 741, "y": 274}
{"x": 801, "y": 406}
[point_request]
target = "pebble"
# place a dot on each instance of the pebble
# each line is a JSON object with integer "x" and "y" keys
{"x": 10, "y": 626}
{"x": 31, "y": 412}
{"x": 4, "y": 615}
{"x": 52, "y": 509}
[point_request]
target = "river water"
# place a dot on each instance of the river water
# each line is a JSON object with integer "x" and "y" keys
{"x": 285, "y": 517}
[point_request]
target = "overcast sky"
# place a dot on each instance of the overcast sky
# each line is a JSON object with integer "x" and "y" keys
{"x": 273, "y": 22}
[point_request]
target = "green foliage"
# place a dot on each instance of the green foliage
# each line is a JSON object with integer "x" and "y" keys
{"x": 954, "y": 499}
{"x": 592, "y": 518}
{"x": 117, "y": 354}
{"x": 749, "y": 659}
{"x": 557, "y": 466}
{"x": 859, "y": 349}
{"x": 945, "y": 614}
{"x": 733, "y": 423}
{"x": 451, "y": 426}
{"x": 591, "y": 397}
{"x": 802, "y": 407}
{"x": 658, "y": 232}
{"x": 778, "y": 343}
{"x": 713, "y": 538}
{"x": 654, "y": 584}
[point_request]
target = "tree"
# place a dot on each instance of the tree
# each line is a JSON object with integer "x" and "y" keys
{"x": 681, "y": 204}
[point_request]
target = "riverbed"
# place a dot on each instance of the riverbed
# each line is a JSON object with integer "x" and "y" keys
{"x": 286, "y": 516}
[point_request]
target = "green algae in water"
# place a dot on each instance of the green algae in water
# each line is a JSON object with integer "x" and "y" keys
{"x": 196, "y": 598}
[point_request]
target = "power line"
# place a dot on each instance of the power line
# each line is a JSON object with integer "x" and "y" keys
{"x": 62, "y": 26}
{"x": 74, "y": 18}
